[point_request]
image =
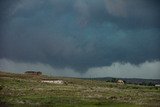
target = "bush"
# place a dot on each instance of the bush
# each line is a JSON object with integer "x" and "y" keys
{"x": 1, "y": 87}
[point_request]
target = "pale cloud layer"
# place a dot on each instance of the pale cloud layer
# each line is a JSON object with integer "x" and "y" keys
{"x": 127, "y": 70}
{"x": 147, "y": 70}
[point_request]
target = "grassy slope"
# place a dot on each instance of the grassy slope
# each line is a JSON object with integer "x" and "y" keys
{"x": 22, "y": 89}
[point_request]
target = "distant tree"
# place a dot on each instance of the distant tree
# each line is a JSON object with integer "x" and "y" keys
{"x": 113, "y": 80}
{"x": 147, "y": 84}
{"x": 150, "y": 84}
{"x": 124, "y": 81}
{"x": 107, "y": 80}
{"x": 143, "y": 83}
{"x": 1, "y": 87}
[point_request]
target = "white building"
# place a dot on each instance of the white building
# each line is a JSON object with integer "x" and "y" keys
{"x": 53, "y": 81}
{"x": 157, "y": 85}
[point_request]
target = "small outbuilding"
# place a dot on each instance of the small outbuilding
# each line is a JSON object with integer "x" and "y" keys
{"x": 33, "y": 72}
{"x": 157, "y": 85}
{"x": 53, "y": 81}
{"x": 121, "y": 82}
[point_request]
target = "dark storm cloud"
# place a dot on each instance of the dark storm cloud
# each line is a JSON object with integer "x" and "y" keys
{"x": 80, "y": 34}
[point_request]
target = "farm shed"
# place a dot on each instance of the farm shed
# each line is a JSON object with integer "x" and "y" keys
{"x": 33, "y": 72}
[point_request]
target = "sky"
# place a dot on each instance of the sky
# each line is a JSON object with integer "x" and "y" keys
{"x": 81, "y": 38}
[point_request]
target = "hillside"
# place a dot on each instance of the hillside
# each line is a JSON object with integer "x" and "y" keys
{"x": 129, "y": 80}
{"x": 28, "y": 90}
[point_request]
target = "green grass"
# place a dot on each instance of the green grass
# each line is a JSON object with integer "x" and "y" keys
{"x": 24, "y": 90}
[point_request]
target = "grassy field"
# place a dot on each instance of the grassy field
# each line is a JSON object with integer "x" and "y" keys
{"x": 25, "y": 90}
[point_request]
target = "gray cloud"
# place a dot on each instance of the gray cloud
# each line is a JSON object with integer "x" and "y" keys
{"x": 80, "y": 34}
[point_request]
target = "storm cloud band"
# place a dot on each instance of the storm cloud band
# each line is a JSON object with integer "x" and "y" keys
{"x": 80, "y": 34}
